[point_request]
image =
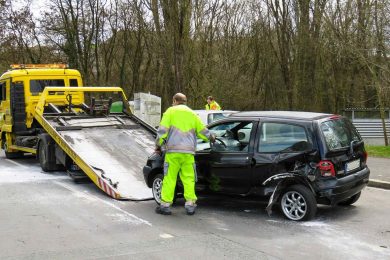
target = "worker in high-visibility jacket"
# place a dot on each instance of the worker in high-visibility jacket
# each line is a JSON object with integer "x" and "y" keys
{"x": 177, "y": 136}
{"x": 212, "y": 104}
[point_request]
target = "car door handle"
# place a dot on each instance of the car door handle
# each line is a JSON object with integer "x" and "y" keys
{"x": 252, "y": 161}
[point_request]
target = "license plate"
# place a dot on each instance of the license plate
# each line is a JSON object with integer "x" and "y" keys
{"x": 353, "y": 165}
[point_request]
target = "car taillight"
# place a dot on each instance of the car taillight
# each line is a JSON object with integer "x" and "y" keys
{"x": 326, "y": 168}
{"x": 365, "y": 155}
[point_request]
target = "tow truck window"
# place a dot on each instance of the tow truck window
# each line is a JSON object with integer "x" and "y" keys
{"x": 281, "y": 137}
{"x": 73, "y": 83}
{"x": 38, "y": 85}
{"x": 2, "y": 91}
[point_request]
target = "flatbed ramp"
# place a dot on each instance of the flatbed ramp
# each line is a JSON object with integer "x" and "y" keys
{"x": 111, "y": 150}
{"x": 116, "y": 155}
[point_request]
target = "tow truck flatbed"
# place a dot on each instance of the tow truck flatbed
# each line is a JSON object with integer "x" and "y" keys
{"x": 110, "y": 150}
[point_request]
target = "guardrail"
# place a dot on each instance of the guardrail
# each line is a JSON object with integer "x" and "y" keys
{"x": 368, "y": 122}
{"x": 371, "y": 128}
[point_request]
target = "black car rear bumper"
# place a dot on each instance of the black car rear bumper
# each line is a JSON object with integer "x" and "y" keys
{"x": 333, "y": 191}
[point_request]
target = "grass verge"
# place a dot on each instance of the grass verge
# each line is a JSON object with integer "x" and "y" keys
{"x": 378, "y": 151}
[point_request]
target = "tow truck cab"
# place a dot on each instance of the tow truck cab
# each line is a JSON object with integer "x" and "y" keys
{"x": 20, "y": 91}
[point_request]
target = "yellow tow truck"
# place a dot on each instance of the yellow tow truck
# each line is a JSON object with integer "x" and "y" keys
{"x": 46, "y": 111}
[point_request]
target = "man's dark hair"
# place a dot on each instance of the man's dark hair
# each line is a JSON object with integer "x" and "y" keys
{"x": 210, "y": 98}
{"x": 180, "y": 98}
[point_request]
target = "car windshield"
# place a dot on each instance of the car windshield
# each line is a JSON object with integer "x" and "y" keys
{"x": 217, "y": 116}
{"x": 339, "y": 133}
{"x": 231, "y": 137}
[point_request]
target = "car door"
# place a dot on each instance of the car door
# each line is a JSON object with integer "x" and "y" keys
{"x": 279, "y": 145}
{"x": 226, "y": 167}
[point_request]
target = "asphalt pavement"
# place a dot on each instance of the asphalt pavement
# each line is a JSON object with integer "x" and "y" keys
{"x": 380, "y": 172}
{"x": 48, "y": 216}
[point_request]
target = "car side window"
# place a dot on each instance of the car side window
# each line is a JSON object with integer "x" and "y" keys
{"x": 282, "y": 137}
{"x": 231, "y": 137}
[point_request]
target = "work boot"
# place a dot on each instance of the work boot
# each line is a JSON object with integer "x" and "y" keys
{"x": 163, "y": 209}
{"x": 190, "y": 207}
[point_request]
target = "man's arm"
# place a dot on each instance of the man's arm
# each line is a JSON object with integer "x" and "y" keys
{"x": 163, "y": 130}
{"x": 202, "y": 131}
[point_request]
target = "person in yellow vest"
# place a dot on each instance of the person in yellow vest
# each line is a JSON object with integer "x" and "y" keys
{"x": 212, "y": 104}
{"x": 177, "y": 136}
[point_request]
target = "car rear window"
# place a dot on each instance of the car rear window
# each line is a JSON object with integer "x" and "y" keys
{"x": 339, "y": 133}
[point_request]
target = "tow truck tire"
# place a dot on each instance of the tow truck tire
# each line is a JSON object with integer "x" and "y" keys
{"x": 14, "y": 155}
{"x": 8, "y": 155}
{"x": 46, "y": 153}
{"x": 298, "y": 203}
{"x": 351, "y": 200}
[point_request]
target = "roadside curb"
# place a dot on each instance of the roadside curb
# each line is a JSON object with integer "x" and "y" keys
{"x": 379, "y": 184}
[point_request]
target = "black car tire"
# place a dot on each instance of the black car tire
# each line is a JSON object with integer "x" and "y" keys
{"x": 297, "y": 202}
{"x": 351, "y": 200}
{"x": 157, "y": 188}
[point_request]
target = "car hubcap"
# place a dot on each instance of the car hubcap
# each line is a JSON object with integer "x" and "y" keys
{"x": 294, "y": 205}
{"x": 157, "y": 185}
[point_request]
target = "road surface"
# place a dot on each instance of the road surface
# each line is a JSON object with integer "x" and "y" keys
{"x": 48, "y": 216}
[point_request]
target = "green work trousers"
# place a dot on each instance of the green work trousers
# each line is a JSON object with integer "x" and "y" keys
{"x": 175, "y": 163}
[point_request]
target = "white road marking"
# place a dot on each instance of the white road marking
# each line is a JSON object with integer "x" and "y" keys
{"x": 94, "y": 198}
{"x": 165, "y": 235}
{"x": 16, "y": 163}
{"x": 314, "y": 224}
{"x": 223, "y": 229}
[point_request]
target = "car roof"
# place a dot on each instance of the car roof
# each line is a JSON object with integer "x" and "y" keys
{"x": 214, "y": 111}
{"x": 300, "y": 115}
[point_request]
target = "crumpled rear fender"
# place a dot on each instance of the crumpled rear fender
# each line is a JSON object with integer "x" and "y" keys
{"x": 283, "y": 180}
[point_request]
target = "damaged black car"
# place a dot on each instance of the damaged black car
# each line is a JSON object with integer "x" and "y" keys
{"x": 297, "y": 159}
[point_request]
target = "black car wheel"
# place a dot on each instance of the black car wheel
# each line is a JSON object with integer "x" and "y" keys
{"x": 351, "y": 200}
{"x": 157, "y": 187}
{"x": 298, "y": 203}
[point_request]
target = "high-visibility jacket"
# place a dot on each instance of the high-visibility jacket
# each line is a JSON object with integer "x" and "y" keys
{"x": 213, "y": 106}
{"x": 179, "y": 129}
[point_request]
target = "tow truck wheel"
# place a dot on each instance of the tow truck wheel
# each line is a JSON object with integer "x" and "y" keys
{"x": 298, "y": 203}
{"x": 10, "y": 155}
{"x": 44, "y": 154}
{"x": 15, "y": 155}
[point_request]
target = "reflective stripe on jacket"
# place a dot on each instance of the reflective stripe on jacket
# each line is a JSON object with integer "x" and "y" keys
{"x": 213, "y": 106}
{"x": 179, "y": 129}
